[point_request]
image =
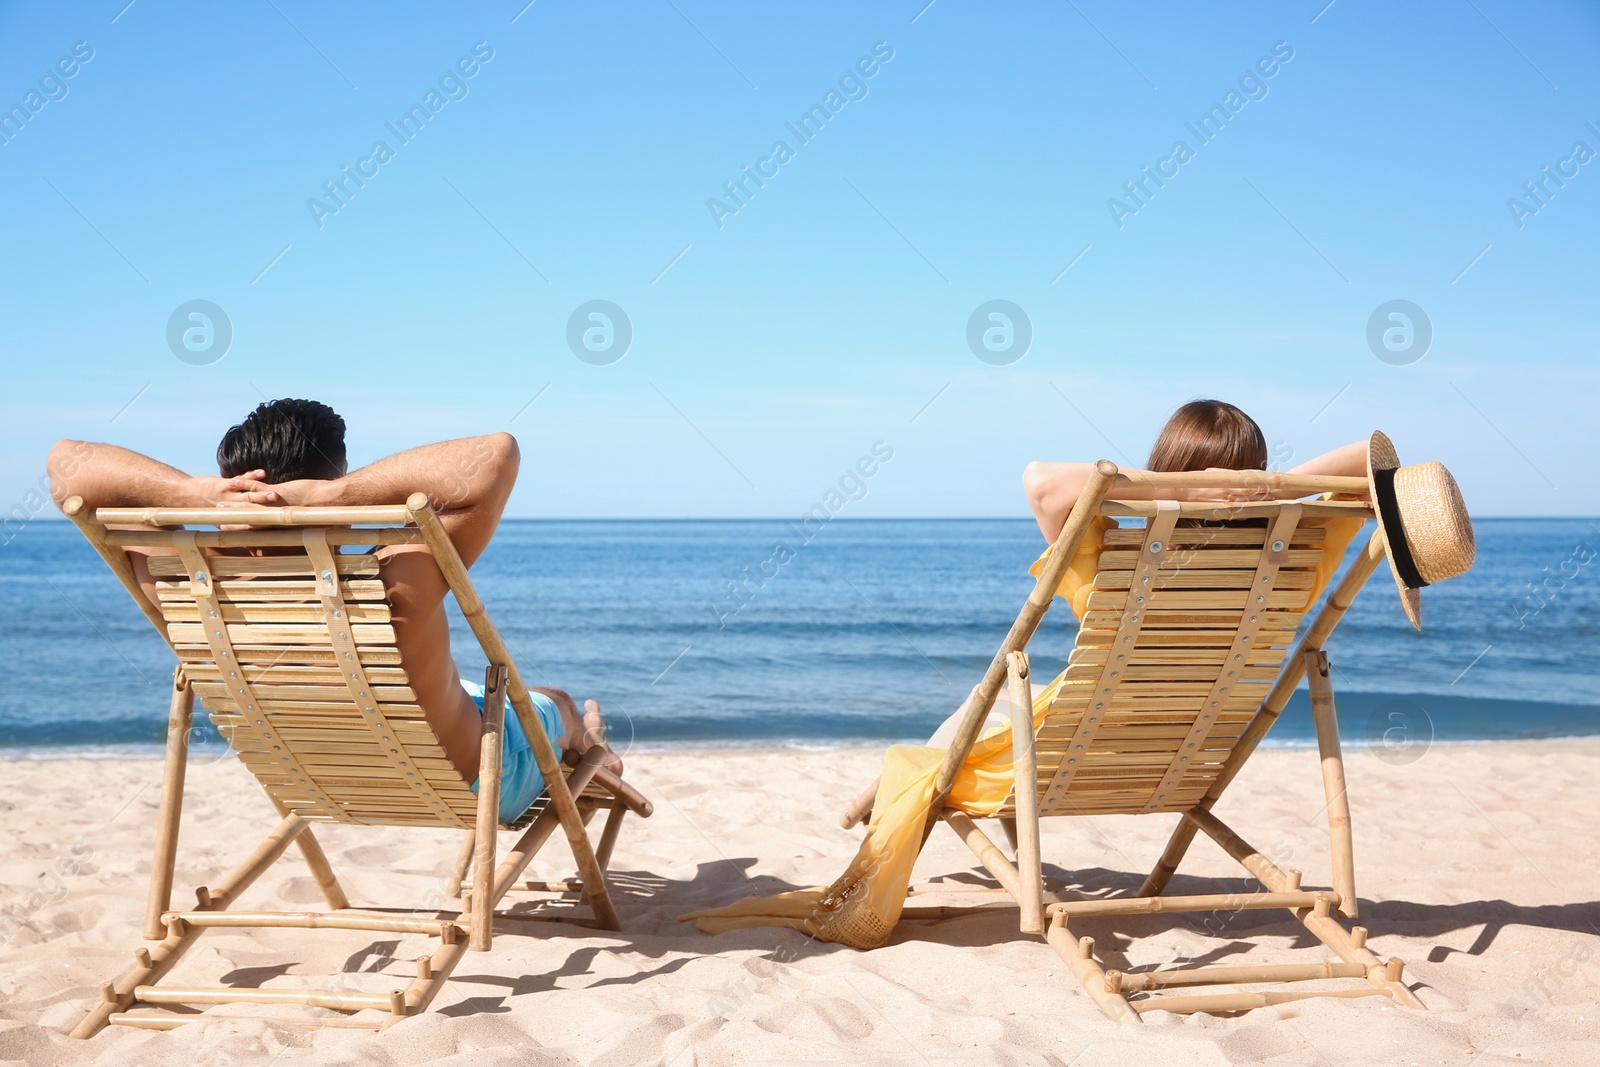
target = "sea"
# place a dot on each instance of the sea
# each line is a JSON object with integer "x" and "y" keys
{"x": 730, "y": 633}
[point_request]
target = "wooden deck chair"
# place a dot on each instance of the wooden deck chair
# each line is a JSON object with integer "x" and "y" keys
{"x": 293, "y": 655}
{"x": 1180, "y": 668}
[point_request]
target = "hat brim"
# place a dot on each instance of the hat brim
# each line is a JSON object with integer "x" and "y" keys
{"x": 1382, "y": 456}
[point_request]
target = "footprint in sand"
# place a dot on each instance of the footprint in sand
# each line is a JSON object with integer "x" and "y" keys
{"x": 847, "y": 1021}
{"x": 372, "y": 856}
{"x": 26, "y": 1044}
{"x": 81, "y": 916}
{"x": 643, "y": 1044}
{"x": 299, "y": 890}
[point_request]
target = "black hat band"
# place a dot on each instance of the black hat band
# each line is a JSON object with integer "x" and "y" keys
{"x": 1394, "y": 530}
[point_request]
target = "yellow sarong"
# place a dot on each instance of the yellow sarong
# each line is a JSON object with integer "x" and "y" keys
{"x": 863, "y": 904}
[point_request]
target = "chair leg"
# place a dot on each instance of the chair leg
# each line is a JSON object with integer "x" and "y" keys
{"x": 1109, "y": 989}
{"x": 1024, "y": 829}
{"x": 316, "y": 859}
{"x": 592, "y": 872}
{"x": 488, "y": 823}
{"x": 1351, "y": 949}
{"x": 1078, "y": 954}
{"x": 860, "y": 809}
{"x": 1178, "y": 844}
{"x": 321, "y": 870}
{"x": 608, "y": 835}
{"x": 533, "y": 838}
{"x": 150, "y": 965}
{"x": 180, "y": 716}
{"x": 1340, "y": 840}
{"x": 458, "y": 871}
{"x": 986, "y": 851}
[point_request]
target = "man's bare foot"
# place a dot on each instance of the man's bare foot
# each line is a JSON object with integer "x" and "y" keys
{"x": 594, "y": 733}
{"x": 581, "y": 732}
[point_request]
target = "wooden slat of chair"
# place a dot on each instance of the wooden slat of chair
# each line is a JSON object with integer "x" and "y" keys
{"x": 291, "y": 693}
{"x": 321, "y": 713}
{"x": 347, "y": 771}
{"x": 1211, "y": 654}
{"x": 1212, "y": 558}
{"x": 282, "y": 589}
{"x": 1253, "y": 536}
{"x": 275, "y": 636}
{"x": 1190, "y": 600}
{"x": 295, "y": 674}
{"x": 1130, "y": 692}
{"x": 1168, "y": 657}
{"x": 271, "y": 613}
{"x": 1155, "y": 638}
{"x": 299, "y": 655}
{"x": 1213, "y": 513}
{"x": 1132, "y": 711}
{"x": 1189, "y": 578}
{"x": 321, "y": 735}
{"x": 256, "y": 538}
{"x": 267, "y": 566}
{"x": 1186, "y": 620}
{"x": 1156, "y": 672}
{"x": 1135, "y": 737}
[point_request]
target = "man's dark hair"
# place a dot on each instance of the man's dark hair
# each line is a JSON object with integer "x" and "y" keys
{"x": 289, "y": 439}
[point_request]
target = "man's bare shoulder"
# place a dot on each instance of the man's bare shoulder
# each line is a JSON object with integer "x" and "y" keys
{"x": 411, "y": 577}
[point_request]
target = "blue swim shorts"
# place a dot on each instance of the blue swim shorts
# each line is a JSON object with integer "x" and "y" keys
{"x": 520, "y": 780}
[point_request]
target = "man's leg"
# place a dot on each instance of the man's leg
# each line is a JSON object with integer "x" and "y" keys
{"x": 583, "y": 729}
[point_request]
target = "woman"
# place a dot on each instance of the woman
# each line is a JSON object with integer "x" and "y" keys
{"x": 1200, "y": 435}
{"x": 863, "y": 904}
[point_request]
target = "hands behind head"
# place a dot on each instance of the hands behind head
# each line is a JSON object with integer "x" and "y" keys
{"x": 244, "y": 490}
{"x": 1231, "y": 496}
{"x": 251, "y": 490}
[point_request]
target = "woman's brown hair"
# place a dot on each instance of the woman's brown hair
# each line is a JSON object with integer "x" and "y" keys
{"x": 1208, "y": 433}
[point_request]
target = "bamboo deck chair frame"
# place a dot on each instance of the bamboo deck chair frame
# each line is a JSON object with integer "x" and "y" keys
{"x": 311, "y": 643}
{"x": 1154, "y": 767}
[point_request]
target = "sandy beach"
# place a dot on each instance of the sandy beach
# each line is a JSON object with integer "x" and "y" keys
{"x": 1475, "y": 865}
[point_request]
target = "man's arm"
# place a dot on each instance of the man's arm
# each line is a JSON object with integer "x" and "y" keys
{"x": 468, "y": 480}
{"x": 106, "y": 476}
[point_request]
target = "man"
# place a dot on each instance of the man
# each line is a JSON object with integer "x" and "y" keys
{"x": 292, "y": 452}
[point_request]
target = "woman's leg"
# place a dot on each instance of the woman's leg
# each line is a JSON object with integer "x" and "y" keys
{"x": 1000, "y": 713}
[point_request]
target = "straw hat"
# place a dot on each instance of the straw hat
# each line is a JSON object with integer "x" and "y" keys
{"x": 1427, "y": 533}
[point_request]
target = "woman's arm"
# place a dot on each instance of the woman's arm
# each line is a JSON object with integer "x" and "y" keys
{"x": 1052, "y": 489}
{"x": 1346, "y": 461}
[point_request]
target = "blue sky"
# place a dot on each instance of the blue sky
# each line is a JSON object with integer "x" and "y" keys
{"x": 830, "y": 312}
